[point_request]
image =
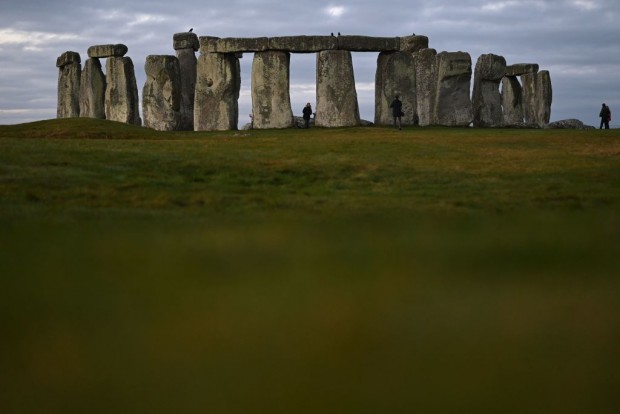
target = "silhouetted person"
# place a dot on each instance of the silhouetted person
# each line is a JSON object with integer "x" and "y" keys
{"x": 605, "y": 116}
{"x": 307, "y": 113}
{"x": 397, "y": 111}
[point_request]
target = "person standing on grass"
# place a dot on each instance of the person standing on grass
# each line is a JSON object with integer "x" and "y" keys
{"x": 397, "y": 111}
{"x": 605, "y": 116}
{"x": 307, "y": 113}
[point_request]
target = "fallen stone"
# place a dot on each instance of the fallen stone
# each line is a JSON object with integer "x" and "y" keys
{"x": 121, "y": 95}
{"x": 68, "y": 58}
{"x": 336, "y": 97}
{"x": 568, "y": 124}
{"x": 303, "y": 44}
{"x": 486, "y": 98}
{"x": 105, "y": 51}
{"x": 413, "y": 43}
{"x": 92, "y": 90}
{"x": 161, "y": 95}
{"x": 217, "y": 92}
{"x": 425, "y": 63}
{"x": 185, "y": 40}
{"x": 368, "y": 44}
{"x": 271, "y": 102}
{"x": 453, "y": 103}
{"x": 519, "y": 69}
{"x": 395, "y": 76}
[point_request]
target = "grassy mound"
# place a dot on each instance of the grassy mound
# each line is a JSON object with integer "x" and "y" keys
{"x": 323, "y": 270}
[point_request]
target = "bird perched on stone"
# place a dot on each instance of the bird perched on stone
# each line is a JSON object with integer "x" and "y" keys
{"x": 332, "y": 33}
{"x": 191, "y": 30}
{"x": 338, "y": 33}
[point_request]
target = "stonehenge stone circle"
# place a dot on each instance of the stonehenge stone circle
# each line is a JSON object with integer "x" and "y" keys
{"x": 486, "y": 98}
{"x": 202, "y": 94}
{"x": 121, "y": 95}
{"x": 271, "y": 102}
{"x": 336, "y": 97}
{"x": 92, "y": 90}
{"x": 395, "y": 76}
{"x": 425, "y": 62}
{"x": 69, "y": 74}
{"x": 161, "y": 95}
{"x": 217, "y": 92}
{"x": 185, "y": 45}
{"x": 452, "y": 102}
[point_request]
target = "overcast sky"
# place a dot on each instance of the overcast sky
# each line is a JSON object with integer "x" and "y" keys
{"x": 578, "y": 41}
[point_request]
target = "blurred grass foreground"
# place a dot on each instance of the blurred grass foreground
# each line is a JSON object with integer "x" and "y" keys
{"x": 359, "y": 270}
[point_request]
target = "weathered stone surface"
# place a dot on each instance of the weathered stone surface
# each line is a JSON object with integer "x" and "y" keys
{"x": 121, "y": 95}
{"x": 68, "y": 58}
{"x": 453, "y": 103}
{"x": 233, "y": 44}
{"x": 105, "y": 51}
{"x": 395, "y": 76}
{"x": 544, "y": 97}
{"x": 530, "y": 105}
{"x": 188, "y": 65}
{"x": 303, "y": 44}
{"x": 519, "y": 69}
{"x": 69, "y": 90}
{"x": 425, "y": 62}
{"x": 185, "y": 40}
{"x": 92, "y": 90}
{"x": 217, "y": 92}
{"x": 512, "y": 101}
{"x": 368, "y": 44}
{"x": 413, "y": 43}
{"x": 486, "y": 98}
{"x": 336, "y": 104}
{"x": 271, "y": 102}
{"x": 568, "y": 124}
{"x": 161, "y": 95}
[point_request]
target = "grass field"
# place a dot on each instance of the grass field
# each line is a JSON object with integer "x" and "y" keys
{"x": 357, "y": 270}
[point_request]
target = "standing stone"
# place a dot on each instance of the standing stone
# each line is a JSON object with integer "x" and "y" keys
{"x": 512, "y": 101}
{"x": 161, "y": 96}
{"x": 486, "y": 100}
{"x": 336, "y": 97}
{"x": 92, "y": 90}
{"x": 271, "y": 102}
{"x": 185, "y": 45}
{"x": 395, "y": 76}
{"x": 121, "y": 95}
{"x": 69, "y": 73}
{"x": 530, "y": 107}
{"x": 425, "y": 63}
{"x": 453, "y": 103}
{"x": 544, "y": 95}
{"x": 218, "y": 82}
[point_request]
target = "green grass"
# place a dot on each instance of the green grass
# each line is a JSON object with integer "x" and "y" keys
{"x": 361, "y": 270}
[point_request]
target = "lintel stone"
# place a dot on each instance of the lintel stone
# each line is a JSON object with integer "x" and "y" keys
{"x": 105, "y": 51}
{"x": 519, "y": 69}
{"x": 369, "y": 44}
{"x": 303, "y": 44}
{"x": 185, "y": 40}
{"x": 234, "y": 44}
{"x": 413, "y": 43}
{"x": 67, "y": 58}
